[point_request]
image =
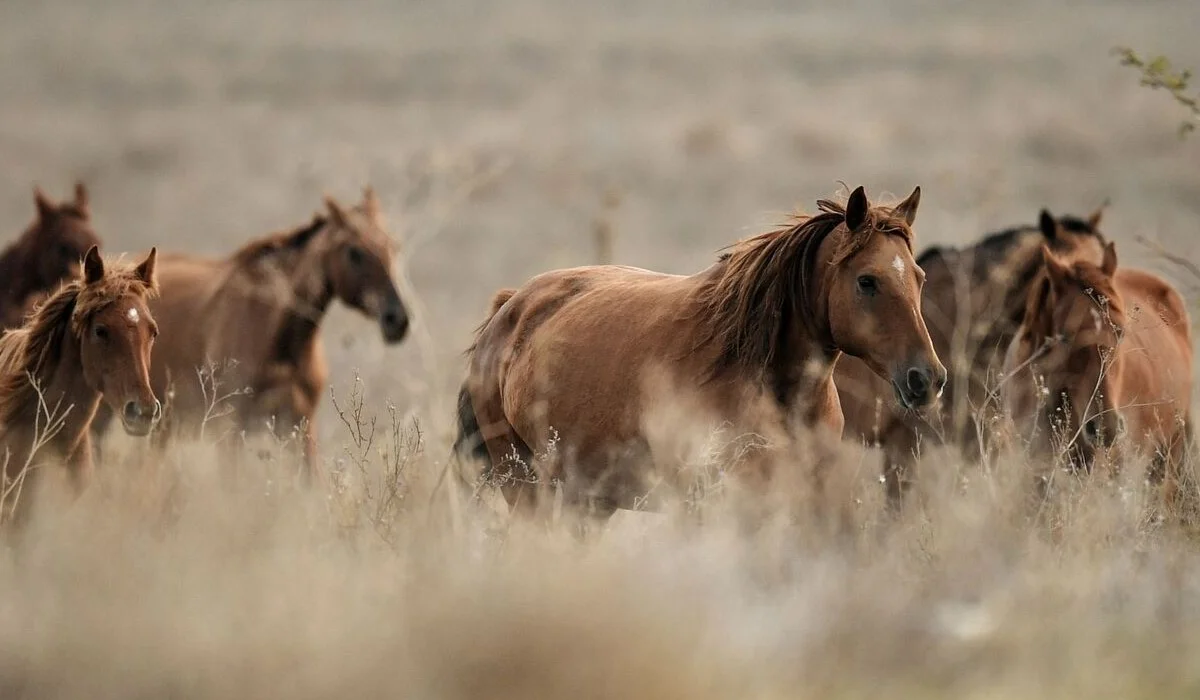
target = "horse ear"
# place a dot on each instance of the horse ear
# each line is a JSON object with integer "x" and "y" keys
{"x": 336, "y": 214}
{"x": 856, "y": 209}
{"x": 146, "y": 269}
{"x": 908, "y": 208}
{"x": 82, "y": 199}
{"x": 371, "y": 204}
{"x": 1038, "y": 316}
{"x": 1048, "y": 225}
{"x": 1054, "y": 266}
{"x": 1109, "y": 265}
{"x": 44, "y": 206}
{"x": 1093, "y": 221}
{"x": 93, "y": 266}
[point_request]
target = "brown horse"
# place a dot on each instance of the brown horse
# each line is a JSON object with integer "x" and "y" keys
{"x": 973, "y": 301}
{"x": 592, "y": 354}
{"x": 89, "y": 341}
{"x": 46, "y": 254}
{"x": 255, "y": 317}
{"x": 1102, "y": 353}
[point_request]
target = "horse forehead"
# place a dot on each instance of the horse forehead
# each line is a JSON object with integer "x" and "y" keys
{"x": 130, "y": 310}
{"x": 363, "y": 232}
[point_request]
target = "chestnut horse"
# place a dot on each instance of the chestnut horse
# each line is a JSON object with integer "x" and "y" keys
{"x": 45, "y": 255}
{"x": 973, "y": 302}
{"x": 592, "y": 354}
{"x": 255, "y": 317}
{"x": 1103, "y": 353}
{"x": 89, "y": 341}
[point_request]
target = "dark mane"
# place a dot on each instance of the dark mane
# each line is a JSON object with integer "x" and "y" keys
{"x": 259, "y": 248}
{"x": 995, "y": 246}
{"x": 763, "y": 285}
{"x": 35, "y": 349}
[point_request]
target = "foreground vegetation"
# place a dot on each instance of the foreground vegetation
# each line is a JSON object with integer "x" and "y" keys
{"x": 177, "y": 578}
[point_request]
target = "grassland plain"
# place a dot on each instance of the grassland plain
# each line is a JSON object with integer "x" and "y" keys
{"x": 495, "y": 133}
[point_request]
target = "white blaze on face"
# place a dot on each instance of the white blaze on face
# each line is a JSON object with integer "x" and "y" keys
{"x": 132, "y": 315}
{"x": 1097, "y": 319}
{"x": 898, "y": 265}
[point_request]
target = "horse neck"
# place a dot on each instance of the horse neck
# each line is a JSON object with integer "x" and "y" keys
{"x": 808, "y": 354}
{"x": 300, "y": 323}
{"x": 60, "y": 390}
{"x": 15, "y": 269}
{"x": 1005, "y": 297}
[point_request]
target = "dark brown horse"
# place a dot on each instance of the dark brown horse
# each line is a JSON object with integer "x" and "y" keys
{"x": 595, "y": 355}
{"x": 973, "y": 302}
{"x": 1103, "y": 354}
{"x": 45, "y": 255}
{"x": 89, "y": 342}
{"x": 255, "y": 318}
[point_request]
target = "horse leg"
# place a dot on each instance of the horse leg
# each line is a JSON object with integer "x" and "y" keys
{"x": 1177, "y": 476}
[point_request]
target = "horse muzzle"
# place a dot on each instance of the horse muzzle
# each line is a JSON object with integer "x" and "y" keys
{"x": 139, "y": 418}
{"x": 918, "y": 386}
{"x": 393, "y": 323}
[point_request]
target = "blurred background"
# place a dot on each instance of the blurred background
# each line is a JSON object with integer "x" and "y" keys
{"x": 502, "y": 136}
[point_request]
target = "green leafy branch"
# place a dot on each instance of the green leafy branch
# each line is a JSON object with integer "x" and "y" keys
{"x": 1159, "y": 74}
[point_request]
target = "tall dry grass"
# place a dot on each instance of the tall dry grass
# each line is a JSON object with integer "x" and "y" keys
{"x": 171, "y": 578}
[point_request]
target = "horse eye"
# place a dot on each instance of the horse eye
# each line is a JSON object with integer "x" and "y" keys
{"x": 355, "y": 255}
{"x": 868, "y": 284}
{"x": 100, "y": 332}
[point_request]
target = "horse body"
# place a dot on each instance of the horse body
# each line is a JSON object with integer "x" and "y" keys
{"x": 45, "y": 255}
{"x": 89, "y": 342}
{"x": 1103, "y": 362}
{"x": 589, "y": 359}
{"x": 973, "y": 302}
{"x": 242, "y": 350}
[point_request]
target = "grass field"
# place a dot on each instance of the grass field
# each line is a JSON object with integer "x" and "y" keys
{"x": 495, "y": 134}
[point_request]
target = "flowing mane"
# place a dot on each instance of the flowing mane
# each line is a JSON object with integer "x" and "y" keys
{"x": 764, "y": 284}
{"x": 34, "y": 350}
{"x": 259, "y": 248}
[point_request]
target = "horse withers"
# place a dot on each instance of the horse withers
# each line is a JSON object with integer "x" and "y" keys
{"x": 585, "y": 360}
{"x": 1102, "y": 364}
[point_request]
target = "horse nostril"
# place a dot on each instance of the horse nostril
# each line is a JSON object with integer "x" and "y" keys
{"x": 132, "y": 412}
{"x": 918, "y": 382}
{"x": 1091, "y": 430}
{"x": 157, "y": 409}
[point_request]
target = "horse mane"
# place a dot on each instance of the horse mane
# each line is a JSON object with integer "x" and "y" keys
{"x": 764, "y": 284}
{"x": 34, "y": 350}
{"x": 257, "y": 249}
{"x": 996, "y": 245}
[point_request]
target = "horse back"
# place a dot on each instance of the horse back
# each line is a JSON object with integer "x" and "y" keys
{"x": 1157, "y": 351}
{"x": 573, "y": 348}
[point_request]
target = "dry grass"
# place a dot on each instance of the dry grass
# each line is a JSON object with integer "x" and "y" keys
{"x": 502, "y": 138}
{"x": 168, "y": 580}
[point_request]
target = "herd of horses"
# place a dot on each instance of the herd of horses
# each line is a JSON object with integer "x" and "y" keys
{"x": 828, "y": 328}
